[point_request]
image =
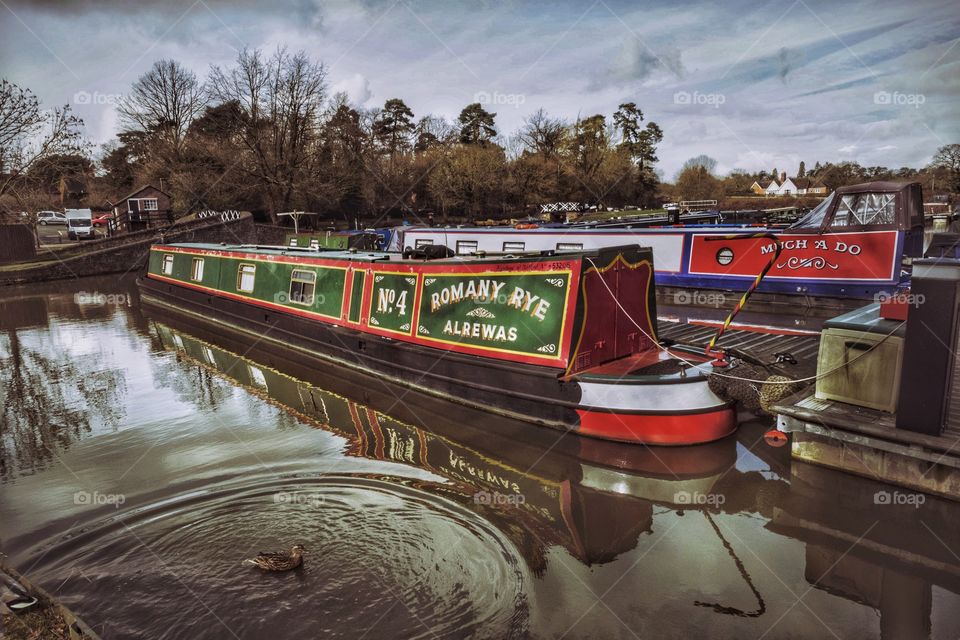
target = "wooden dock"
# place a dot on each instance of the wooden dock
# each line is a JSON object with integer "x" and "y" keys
{"x": 765, "y": 346}
{"x": 853, "y": 439}
{"x": 867, "y": 443}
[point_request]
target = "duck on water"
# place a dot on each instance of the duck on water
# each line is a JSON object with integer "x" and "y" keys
{"x": 278, "y": 561}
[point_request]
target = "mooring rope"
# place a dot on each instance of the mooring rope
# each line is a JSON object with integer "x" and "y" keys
{"x": 733, "y": 611}
{"x": 756, "y": 282}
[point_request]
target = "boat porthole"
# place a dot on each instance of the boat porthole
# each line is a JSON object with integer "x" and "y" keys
{"x": 725, "y": 256}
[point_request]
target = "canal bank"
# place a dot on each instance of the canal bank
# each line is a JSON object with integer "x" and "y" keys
{"x": 159, "y": 456}
{"x": 125, "y": 253}
{"x": 27, "y": 612}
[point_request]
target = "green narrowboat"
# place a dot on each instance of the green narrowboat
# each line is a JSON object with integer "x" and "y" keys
{"x": 565, "y": 340}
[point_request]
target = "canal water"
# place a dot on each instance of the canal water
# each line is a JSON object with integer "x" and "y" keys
{"x": 143, "y": 458}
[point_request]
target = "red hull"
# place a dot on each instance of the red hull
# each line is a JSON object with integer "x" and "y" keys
{"x": 682, "y": 429}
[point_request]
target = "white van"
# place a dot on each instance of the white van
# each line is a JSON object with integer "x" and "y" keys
{"x": 79, "y": 224}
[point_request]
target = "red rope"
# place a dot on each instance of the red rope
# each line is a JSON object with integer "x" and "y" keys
{"x": 753, "y": 286}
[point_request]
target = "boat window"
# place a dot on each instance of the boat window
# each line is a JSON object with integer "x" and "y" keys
{"x": 569, "y": 246}
{"x": 466, "y": 247}
{"x": 196, "y": 272}
{"x": 814, "y": 219}
{"x": 513, "y": 246}
{"x": 293, "y": 241}
{"x": 421, "y": 242}
{"x": 246, "y": 274}
{"x": 302, "y": 286}
{"x": 167, "y": 267}
{"x": 315, "y": 244}
{"x": 859, "y": 209}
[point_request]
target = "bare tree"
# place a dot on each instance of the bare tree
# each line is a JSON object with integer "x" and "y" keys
{"x": 948, "y": 157}
{"x": 548, "y": 138}
{"x": 542, "y": 134}
{"x": 29, "y": 135}
{"x": 704, "y": 161}
{"x": 164, "y": 102}
{"x": 433, "y": 131}
{"x": 282, "y": 99}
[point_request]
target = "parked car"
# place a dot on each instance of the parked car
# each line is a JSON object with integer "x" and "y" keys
{"x": 103, "y": 220}
{"x": 51, "y": 217}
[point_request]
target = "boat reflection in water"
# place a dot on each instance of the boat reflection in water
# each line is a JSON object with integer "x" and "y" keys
{"x": 438, "y": 521}
{"x": 886, "y": 570}
{"x": 593, "y": 497}
{"x": 887, "y": 548}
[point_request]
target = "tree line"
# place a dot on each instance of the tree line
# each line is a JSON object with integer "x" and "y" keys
{"x": 264, "y": 134}
{"x": 698, "y": 178}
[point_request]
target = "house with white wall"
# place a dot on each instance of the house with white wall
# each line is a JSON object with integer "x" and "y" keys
{"x": 787, "y": 187}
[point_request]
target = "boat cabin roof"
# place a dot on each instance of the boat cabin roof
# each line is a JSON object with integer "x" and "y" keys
{"x": 281, "y": 250}
{"x": 357, "y": 255}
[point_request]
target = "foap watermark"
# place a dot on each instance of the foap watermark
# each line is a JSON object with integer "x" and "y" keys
{"x": 85, "y": 498}
{"x": 697, "y": 498}
{"x": 696, "y": 98}
{"x": 898, "y": 99}
{"x": 899, "y": 498}
{"x": 900, "y": 297}
{"x": 306, "y": 499}
{"x": 497, "y": 498}
{"x": 95, "y": 297}
{"x": 500, "y": 99}
{"x": 700, "y": 298}
{"x": 97, "y": 98}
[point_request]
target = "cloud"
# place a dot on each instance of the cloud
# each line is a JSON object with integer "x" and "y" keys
{"x": 299, "y": 9}
{"x": 803, "y": 88}
{"x": 637, "y": 61}
{"x": 357, "y": 87}
{"x": 787, "y": 59}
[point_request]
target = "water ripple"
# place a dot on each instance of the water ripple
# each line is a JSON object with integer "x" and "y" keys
{"x": 385, "y": 556}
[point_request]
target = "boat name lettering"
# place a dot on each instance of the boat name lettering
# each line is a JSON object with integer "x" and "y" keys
{"x": 479, "y": 291}
{"x": 791, "y": 245}
{"x": 484, "y": 475}
{"x": 489, "y": 291}
{"x": 482, "y": 330}
{"x": 388, "y": 299}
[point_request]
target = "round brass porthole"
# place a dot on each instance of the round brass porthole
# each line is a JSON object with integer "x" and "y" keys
{"x": 725, "y": 256}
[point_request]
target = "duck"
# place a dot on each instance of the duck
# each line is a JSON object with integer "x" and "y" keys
{"x": 278, "y": 561}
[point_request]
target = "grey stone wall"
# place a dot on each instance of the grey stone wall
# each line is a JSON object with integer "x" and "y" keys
{"x": 17, "y": 243}
{"x": 270, "y": 234}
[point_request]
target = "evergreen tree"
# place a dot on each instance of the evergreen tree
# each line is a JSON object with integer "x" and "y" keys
{"x": 394, "y": 126}
{"x": 476, "y": 124}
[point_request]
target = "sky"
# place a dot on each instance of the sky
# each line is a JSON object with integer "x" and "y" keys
{"x": 755, "y": 85}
